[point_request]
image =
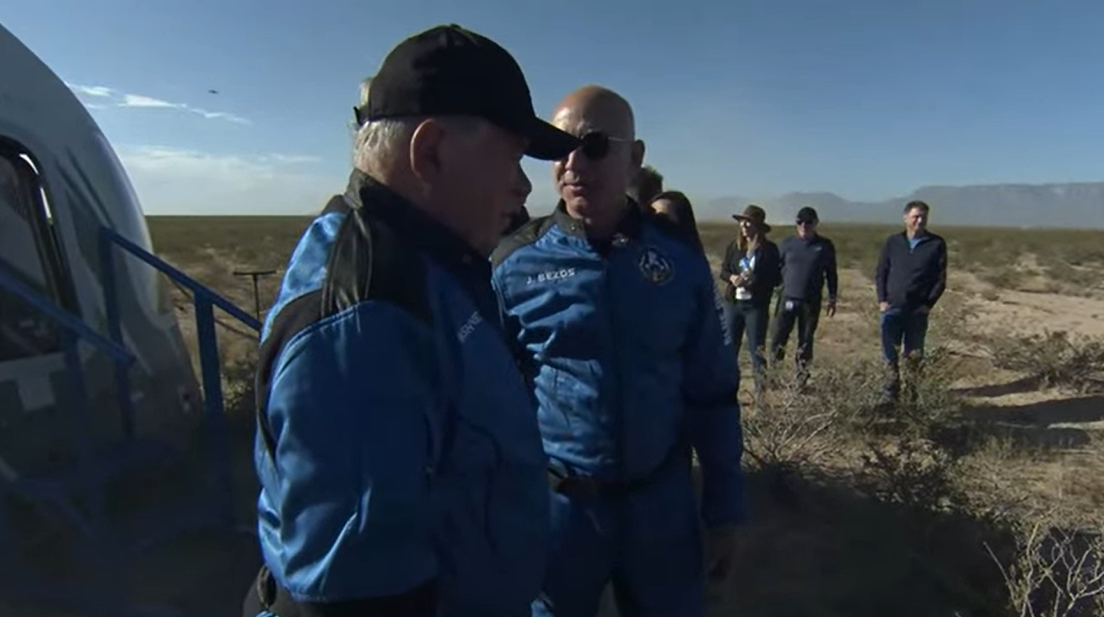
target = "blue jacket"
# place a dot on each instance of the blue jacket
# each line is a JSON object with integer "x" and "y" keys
{"x": 397, "y": 447}
{"x": 626, "y": 351}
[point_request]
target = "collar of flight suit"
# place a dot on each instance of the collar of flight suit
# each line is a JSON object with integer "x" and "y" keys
{"x": 628, "y": 229}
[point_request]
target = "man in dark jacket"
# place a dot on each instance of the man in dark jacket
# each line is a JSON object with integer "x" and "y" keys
{"x": 617, "y": 325}
{"x": 392, "y": 421}
{"x": 808, "y": 265}
{"x": 910, "y": 278}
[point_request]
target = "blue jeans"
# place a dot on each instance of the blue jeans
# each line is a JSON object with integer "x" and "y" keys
{"x": 901, "y": 328}
{"x": 744, "y": 317}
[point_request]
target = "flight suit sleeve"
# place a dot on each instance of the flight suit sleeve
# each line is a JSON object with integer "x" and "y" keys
{"x": 350, "y": 406}
{"x": 511, "y": 331}
{"x": 711, "y": 380}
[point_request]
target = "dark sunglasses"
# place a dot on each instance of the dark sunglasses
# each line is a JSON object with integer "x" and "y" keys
{"x": 806, "y": 222}
{"x": 595, "y": 145}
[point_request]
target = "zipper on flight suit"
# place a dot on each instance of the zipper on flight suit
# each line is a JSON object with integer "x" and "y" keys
{"x": 616, "y": 251}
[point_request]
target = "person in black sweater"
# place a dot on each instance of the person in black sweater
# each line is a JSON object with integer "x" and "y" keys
{"x": 645, "y": 185}
{"x": 751, "y": 271}
{"x": 675, "y": 208}
{"x": 808, "y": 263}
{"x": 910, "y": 278}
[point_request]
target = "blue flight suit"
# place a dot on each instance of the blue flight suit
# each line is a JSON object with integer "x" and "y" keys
{"x": 625, "y": 350}
{"x": 398, "y": 452}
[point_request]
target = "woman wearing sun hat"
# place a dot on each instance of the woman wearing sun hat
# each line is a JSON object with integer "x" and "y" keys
{"x": 751, "y": 270}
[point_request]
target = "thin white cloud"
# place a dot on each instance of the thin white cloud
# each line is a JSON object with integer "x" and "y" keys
{"x": 290, "y": 159}
{"x": 176, "y": 181}
{"x": 137, "y": 100}
{"x": 126, "y": 99}
{"x": 99, "y": 91}
{"x": 219, "y": 115}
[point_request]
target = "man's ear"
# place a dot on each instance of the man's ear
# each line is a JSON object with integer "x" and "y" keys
{"x": 637, "y": 154}
{"x": 426, "y": 159}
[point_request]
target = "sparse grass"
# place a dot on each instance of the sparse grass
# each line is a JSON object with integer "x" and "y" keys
{"x": 211, "y": 249}
{"x": 1054, "y": 359}
{"x": 859, "y": 509}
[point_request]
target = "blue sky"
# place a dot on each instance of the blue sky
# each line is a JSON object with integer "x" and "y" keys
{"x": 865, "y": 98}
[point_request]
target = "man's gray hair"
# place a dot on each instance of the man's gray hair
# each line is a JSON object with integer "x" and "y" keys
{"x": 378, "y": 142}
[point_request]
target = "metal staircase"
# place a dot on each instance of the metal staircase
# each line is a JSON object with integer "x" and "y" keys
{"x": 81, "y": 512}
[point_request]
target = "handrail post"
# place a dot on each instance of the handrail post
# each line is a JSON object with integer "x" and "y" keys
{"x": 212, "y": 399}
{"x": 87, "y": 469}
{"x": 115, "y": 330}
{"x": 255, "y": 274}
{"x": 11, "y": 561}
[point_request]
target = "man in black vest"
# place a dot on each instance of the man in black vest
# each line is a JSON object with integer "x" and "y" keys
{"x": 910, "y": 278}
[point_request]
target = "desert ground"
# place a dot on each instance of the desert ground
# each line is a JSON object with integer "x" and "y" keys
{"x": 981, "y": 498}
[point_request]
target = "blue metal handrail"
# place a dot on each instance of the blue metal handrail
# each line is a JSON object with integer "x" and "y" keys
{"x": 72, "y": 330}
{"x": 64, "y": 318}
{"x": 204, "y": 300}
{"x": 75, "y": 396}
{"x": 179, "y": 276}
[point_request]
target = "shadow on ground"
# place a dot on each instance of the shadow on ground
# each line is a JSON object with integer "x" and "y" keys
{"x": 818, "y": 547}
{"x": 815, "y": 546}
{"x": 201, "y": 573}
{"x": 1079, "y": 410}
{"x": 1061, "y": 424}
{"x": 1018, "y": 386}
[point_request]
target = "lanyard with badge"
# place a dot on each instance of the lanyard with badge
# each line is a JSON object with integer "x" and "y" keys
{"x": 747, "y": 266}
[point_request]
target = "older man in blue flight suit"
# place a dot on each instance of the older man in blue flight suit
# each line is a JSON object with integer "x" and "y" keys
{"x": 399, "y": 458}
{"x": 617, "y": 324}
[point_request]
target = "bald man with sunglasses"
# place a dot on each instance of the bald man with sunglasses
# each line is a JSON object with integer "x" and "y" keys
{"x": 617, "y": 327}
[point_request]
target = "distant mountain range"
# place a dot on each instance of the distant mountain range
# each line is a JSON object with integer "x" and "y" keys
{"x": 1076, "y": 205}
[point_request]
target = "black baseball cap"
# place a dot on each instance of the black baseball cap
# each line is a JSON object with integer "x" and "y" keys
{"x": 807, "y": 214}
{"x": 448, "y": 70}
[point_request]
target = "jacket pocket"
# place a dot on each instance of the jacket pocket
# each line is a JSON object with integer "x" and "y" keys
{"x": 464, "y": 490}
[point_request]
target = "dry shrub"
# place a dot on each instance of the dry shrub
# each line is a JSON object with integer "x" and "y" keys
{"x": 794, "y": 425}
{"x": 907, "y": 457}
{"x": 1054, "y": 358}
{"x": 1073, "y": 278}
{"x": 930, "y": 403}
{"x": 912, "y": 471}
{"x": 238, "y": 379}
{"x": 954, "y": 321}
{"x": 1053, "y": 571}
{"x": 1010, "y": 278}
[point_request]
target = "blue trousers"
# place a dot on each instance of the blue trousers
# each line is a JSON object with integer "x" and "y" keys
{"x": 745, "y": 318}
{"x": 901, "y": 329}
{"x": 647, "y": 544}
